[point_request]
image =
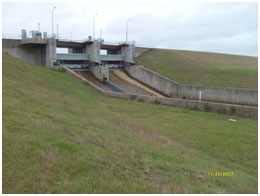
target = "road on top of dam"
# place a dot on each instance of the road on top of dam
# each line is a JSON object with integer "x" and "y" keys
{"x": 119, "y": 81}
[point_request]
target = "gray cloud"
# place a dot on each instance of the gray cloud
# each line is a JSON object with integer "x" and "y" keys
{"x": 216, "y": 27}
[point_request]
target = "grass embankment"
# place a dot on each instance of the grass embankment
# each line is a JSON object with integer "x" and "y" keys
{"x": 202, "y": 68}
{"x": 61, "y": 136}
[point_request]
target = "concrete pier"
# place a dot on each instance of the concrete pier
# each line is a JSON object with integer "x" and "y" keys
{"x": 128, "y": 51}
{"x": 34, "y": 51}
{"x": 93, "y": 50}
{"x": 50, "y": 54}
{"x": 100, "y": 72}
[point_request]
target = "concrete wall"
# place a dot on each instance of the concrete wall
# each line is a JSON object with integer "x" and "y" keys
{"x": 34, "y": 53}
{"x": 235, "y": 110}
{"x": 226, "y": 95}
{"x": 50, "y": 53}
{"x": 174, "y": 89}
{"x": 156, "y": 81}
{"x": 128, "y": 51}
{"x": 100, "y": 72}
{"x": 93, "y": 49}
{"x": 140, "y": 50}
{"x": 29, "y": 53}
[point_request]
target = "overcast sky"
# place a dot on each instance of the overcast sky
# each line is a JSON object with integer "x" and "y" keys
{"x": 214, "y": 27}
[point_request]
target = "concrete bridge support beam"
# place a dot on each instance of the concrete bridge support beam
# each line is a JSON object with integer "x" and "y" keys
{"x": 100, "y": 72}
{"x": 128, "y": 51}
{"x": 50, "y": 53}
{"x": 93, "y": 50}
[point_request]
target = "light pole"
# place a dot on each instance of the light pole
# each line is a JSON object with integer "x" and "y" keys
{"x": 127, "y": 29}
{"x": 94, "y": 26}
{"x": 52, "y": 21}
{"x": 57, "y": 31}
{"x": 38, "y": 27}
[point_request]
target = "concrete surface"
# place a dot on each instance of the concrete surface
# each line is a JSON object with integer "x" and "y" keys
{"x": 225, "y": 95}
{"x": 156, "y": 81}
{"x": 35, "y": 40}
{"x": 128, "y": 51}
{"x": 38, "y": 54}
{"x": 33, "y": 54}
{"x": 93, "y": 50}
{"x": 230, "y": 109}
{"x": 100, "y": 72}
{"x": 174, "y": 89}
{"x": 50, "y": 53}
{"x": 129, "y": 85}
{"x": 120, "y": 82}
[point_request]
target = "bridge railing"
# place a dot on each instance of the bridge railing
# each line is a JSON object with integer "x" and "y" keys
{"x": 77, "y": 66}
{"x": 72, "y": 56}
{"x": 112, "y": 57}
{"x": 11, "y": 36}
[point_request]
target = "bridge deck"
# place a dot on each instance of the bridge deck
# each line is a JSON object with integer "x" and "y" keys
{"x": 75, "y": 44}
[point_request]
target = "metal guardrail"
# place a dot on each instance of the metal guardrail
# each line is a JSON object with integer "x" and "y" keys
{"x": 76, "y": 66}
{"x": 11, "y": 36}
{"x": 112, "y": 57}
{"x": 72, "y": 56}
{"x": 137, "y": 44}
{"x": 115, "y": 66}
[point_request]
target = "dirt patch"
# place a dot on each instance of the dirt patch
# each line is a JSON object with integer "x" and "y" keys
{"x": 50, "y": 158}
{"x": 122, "y": 77}
{"x": 90, "y": 77}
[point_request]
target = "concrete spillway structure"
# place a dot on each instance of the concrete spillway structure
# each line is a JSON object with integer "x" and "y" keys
{"x": 34, "y": 51}
{"x": 133, "y": 81}
{"x": 82, "y": 55}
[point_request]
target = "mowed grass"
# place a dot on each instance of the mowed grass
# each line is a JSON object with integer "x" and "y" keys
{"x": 202, "y": 68}
{"x": 61, "y": 136}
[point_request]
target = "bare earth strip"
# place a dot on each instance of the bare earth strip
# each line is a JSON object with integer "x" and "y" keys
{"x": 122, "y": 75}
{"x": 90, "y": 77}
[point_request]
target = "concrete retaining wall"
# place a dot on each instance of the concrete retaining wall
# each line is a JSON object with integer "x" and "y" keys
{"x": 50, "y": 53}
{"x": 100, "y": 72}
{"x": 29, "y": 53}
{"x": 93, "y": 50}
{"x": 128, "y": 51}
{"x": 174, "y": 89}
{"x": 236, "y": 110}
{"x": 156, "y": 81}
{"x": 42, "y": 53}
{"x": 225, "y": 95}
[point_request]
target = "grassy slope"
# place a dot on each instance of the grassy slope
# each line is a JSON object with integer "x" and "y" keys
{"x": 201, "y": 68}
{"x": 61, "y": 136}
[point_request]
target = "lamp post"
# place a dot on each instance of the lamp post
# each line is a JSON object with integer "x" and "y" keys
{"x": 57, "y": 31}
{"x": 94, "y": 26}
{"x": 38, "y": 27}
{"x": 127, "y": 30}
{"x": 52, "y": 21}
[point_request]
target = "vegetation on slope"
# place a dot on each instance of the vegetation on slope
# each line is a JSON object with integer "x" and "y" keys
{"x": 201, "y": 68}
{"x": 61, "y": 136}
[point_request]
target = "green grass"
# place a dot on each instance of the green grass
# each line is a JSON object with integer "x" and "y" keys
{"x": 204, "y": 69}
{"x": 61, "y": 136}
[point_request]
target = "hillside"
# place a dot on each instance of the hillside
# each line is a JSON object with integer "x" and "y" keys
{"x": 61, "y": 136}
{"x": 204, "y": 69}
